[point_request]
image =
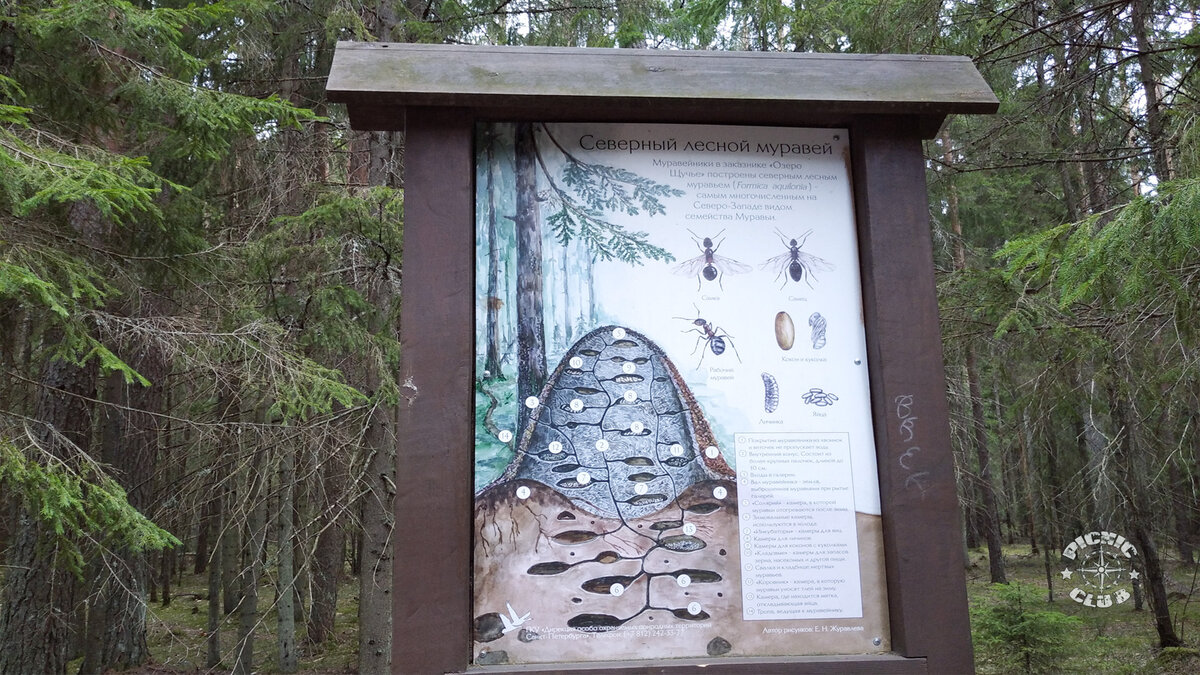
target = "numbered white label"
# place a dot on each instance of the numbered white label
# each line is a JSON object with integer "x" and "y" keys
{"x": 575, "y": 362}
{"x": 555, "y": 447}
{"x": 618, "y": 333}
{"x": 505, "y": 435}
{"x": 711, "y": 452}
{"x": 684, "y": 581}
{"x": 628, "y": 367}
{"x": 630, "y": 396}
{"x": 583, "y": 478}
{"x": 720, "y": 492}
{"x": 617, "y": 589}
{"x": 531, "y": 402}
{"x": 576, "y": 405}
{"x": 640, "y": 488}
{"x": 602, "y": 445}
{"x": 637, "y": 427}
{"x": 689, "y": 529}
{"x": 677, "y": 450}
{"x": 694, "y": 608}
{"x": 523, "y": 492}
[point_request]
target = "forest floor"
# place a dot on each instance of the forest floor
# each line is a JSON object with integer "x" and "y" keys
{"x": 177, "y": 635}
{"x": 1118, "y": 639}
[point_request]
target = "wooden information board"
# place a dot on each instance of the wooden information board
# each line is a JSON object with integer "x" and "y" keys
{"x": 673, "y": 378}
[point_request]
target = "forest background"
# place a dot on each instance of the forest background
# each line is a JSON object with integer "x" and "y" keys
{"x": 200, "y": 268}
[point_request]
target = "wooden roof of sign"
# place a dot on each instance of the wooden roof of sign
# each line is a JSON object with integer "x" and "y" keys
{"x": 378, "y": 81}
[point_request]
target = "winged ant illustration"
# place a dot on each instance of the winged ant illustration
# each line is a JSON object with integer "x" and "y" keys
{"x": 708, "y": 266}
{"x": 797, "y": 264}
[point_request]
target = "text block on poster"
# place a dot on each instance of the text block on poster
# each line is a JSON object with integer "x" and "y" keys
{"x": 798, "y": 539}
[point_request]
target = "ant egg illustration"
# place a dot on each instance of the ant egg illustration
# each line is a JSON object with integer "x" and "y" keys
{"x": 785, "y": 331}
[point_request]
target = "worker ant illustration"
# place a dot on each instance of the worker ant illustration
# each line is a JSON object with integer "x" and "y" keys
{"x": 710, "y": 337}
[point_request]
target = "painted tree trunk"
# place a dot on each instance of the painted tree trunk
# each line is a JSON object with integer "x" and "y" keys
{"x": 491, "y": 365}
{"x": 531, "y": 341}
{"x": 568, "y": 333}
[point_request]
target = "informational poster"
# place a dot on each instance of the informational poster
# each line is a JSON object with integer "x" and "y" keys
{"x": 674, "y": 446}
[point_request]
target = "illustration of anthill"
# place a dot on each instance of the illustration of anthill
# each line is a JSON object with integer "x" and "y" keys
{"x": 616, "y": 508}
{"x": 581, "y": 196}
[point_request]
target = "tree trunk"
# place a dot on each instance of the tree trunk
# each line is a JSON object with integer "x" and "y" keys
{"x": 1025, "y": 441}
{"x": 375, "y": 579}
{"x": 1130, "y": 459}
{"x": 231, "y": 537}
{"x": 39, "y": 593}
{"x": 253, "y": 549}
{"x": 204, "y": 530}
{"x": 379, "y": 445}
{"x": 968, "y": 488}
{"x": 215, "y": 568}
{"x": 301, "y": 541}
{"x": 329, "y": 555}
{"x": 987, "y": 493}
{"x": 1097, "y": 450}
{"x": 117, "y": 615}
{"x": 1140, "y": 15}
{"x": 8, "y": 40}
{"x": 39, "y": 620}
{"x": 1156, "y": 584}
{"x": 531, "y": 342}
{"x": 1181, "y": 508}
{"x": 286, "y": 583}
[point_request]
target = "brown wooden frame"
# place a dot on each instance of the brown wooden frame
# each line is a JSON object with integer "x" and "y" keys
{"x": 437, "y": 93}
